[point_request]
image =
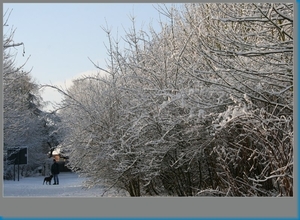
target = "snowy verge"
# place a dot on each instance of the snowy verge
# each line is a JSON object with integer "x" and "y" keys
{"x": 70, "y": 185}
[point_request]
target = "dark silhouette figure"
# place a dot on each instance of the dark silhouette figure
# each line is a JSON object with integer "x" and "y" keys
{"x": 55, "y": 172}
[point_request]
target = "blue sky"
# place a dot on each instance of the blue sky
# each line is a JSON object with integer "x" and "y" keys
{"x": 59, "y": 37}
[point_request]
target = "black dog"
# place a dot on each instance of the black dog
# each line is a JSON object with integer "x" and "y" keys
{"x": 48, "y": 179}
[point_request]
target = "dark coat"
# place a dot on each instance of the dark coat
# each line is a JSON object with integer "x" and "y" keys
{"x": 55, "y": 168}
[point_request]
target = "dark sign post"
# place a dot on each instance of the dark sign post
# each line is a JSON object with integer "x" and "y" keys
{"x": 17, "y": 156}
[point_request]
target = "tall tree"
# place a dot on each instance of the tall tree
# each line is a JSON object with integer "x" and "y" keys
{"x": 23, "y": 121}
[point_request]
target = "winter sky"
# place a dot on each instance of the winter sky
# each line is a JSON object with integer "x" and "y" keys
{"x": 59, "y": 37}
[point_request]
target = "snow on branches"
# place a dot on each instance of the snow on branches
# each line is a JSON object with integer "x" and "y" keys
{"x": 205, "y": 106}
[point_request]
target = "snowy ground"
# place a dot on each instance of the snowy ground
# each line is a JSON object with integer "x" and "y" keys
{"x": 70, "y": 185}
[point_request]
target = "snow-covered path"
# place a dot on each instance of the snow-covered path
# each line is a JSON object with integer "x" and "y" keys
{"x": 70, "y": 185}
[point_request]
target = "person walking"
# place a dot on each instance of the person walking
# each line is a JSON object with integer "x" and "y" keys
{"x": 55, "y": 172}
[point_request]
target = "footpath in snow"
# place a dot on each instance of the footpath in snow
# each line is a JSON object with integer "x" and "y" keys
{"x": 70, "y": 185}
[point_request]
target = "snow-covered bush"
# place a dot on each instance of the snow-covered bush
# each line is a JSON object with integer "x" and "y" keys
{"x": 254, "y": 149}
{"x": 205, "y": 106}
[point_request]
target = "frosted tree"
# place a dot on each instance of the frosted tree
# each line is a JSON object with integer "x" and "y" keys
{"x": 198, "y": 108}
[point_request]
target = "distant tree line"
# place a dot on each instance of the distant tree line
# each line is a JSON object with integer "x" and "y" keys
{"x": 25, "y": 124}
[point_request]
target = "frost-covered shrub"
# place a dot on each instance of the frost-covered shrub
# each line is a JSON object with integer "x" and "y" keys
{"x": 204, "y": 107}
{"x": 255, "y": 151}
